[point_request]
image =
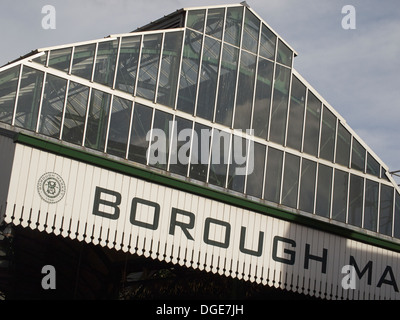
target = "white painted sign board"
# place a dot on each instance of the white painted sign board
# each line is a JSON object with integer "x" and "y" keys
{"x": 77, "y": 200}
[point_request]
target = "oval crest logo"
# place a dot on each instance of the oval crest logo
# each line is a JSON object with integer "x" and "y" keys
{"x": 51, "y": 187}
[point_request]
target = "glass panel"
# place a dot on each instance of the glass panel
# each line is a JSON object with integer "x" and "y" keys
{"x": 169, "y": 73}
{"x": 397, "y": 216}
{"x": 195, "y": 20}
{"x": 29, "y": 98}
{"x": 96, "y": 128}
{"x": 250, "y": 32}
{"x": 208, "y": 79}
{"x": 215, "y": 22}
{"x": 296, "y": 114}
{"x": 263, "y": 98}
{"x": 343, "y": 146}
{"x": 149, "y": 62}
{"x": 383, "y": 174}
{"x": 127, "y": 64}
{"x": 41, "y": 59}
{"x": 311, "y": 135}
{"x": 8, "y": 91}
{"x": 227, "y": 85}
{"x": 290, "y": 180}
{"x": 189, "y": 72}
{"x": 324, "y": 188}
{"x": 105, "y": 63}
{"x": 52, "y": 106}
{"x": 358, "y": 156}
{"x": 141, "y": 126}
{"x": 233, "y": 26}
{"x": 219, "y": 157}
{"x": 119, "y": 127}
{"x": 268, "y": 43}
{"x": 373, "y": 166}
{"x": 340, "y": 189}
{"x": 60, "y": 59}
{"x": 284, "y": 54}
{"x": 386, "y": 210}
{"x": 256, "y": 177}
{"x": 237, "y": 164}
{"x": 371, "y": 205}
{"x": 280, "y": 105}
{"x": 180, "y": 149}
{"x": 245, "y": 91}
{"x": 307, "y": 185}
{"x": 356, "y": 200}
{"x": 328, "y": 133}
{"x": 273, "y": 175}
{"x": 83, "y": 61}
{"x": 159, "y": 148}
{"x": 75, "y": 113}
{"x": 200, "y": 152}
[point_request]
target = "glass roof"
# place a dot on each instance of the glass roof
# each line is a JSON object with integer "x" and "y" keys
{"x": 207, "y": 94}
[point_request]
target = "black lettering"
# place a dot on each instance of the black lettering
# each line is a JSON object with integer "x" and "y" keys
{"x": 156, "y": 216}
{"x": 98, "y": 201}
{"x": 309, "y": 257}
{"x": 248, "y": 251}
{"x": 291, "y": 253}
{"x": 184, "y": 226}
{"x": 368, "y": 267}
{"x": 391, "y": 282}
{"x": 206, "y": 235}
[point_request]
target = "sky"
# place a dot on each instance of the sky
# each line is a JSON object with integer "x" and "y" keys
{"x": 355, "y": 70}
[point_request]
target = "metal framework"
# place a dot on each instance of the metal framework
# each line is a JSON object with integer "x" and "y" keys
{"x": 225, "y": 70}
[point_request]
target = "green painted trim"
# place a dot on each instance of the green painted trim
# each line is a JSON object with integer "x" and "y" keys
{"x": 167, "y": 181}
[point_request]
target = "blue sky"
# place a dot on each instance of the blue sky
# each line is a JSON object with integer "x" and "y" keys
{"x": 356, "y": 71}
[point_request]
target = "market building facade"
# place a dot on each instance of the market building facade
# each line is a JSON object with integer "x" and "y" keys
{"x": 193, "y": 141}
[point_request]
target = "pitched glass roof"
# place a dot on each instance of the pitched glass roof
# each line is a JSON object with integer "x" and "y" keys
{"x": 219, "y": 84}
